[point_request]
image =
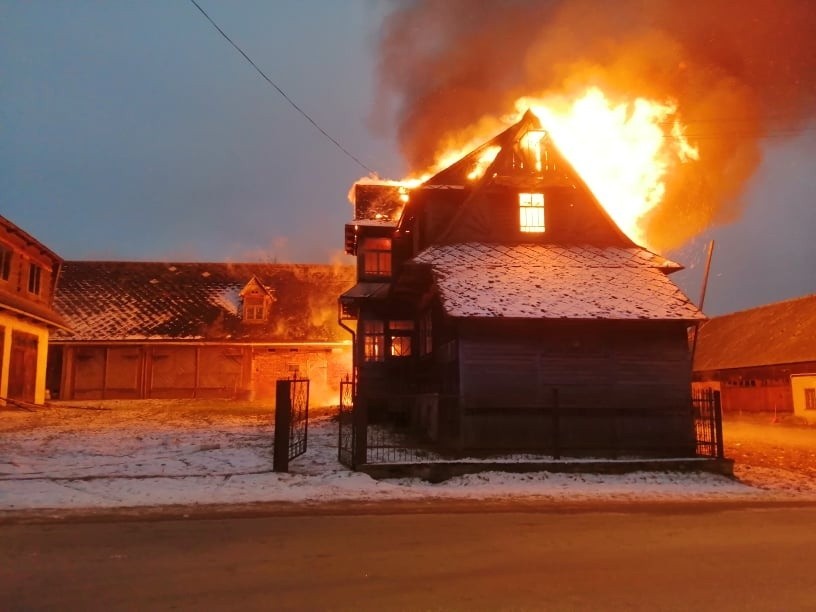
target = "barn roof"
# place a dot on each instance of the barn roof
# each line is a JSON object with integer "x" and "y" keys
{"x": 779, "y": 333}
{"x": 547, "y": 281}
{"x": 121, "y": 300}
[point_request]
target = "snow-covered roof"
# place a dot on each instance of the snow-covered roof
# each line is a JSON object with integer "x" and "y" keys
{"x": 548, "y": 281}
{"x": 779, "y": 333}
{"x": 122, "y": 300}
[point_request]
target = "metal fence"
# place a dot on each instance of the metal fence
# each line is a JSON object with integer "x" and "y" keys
{"x": 708, "y": 423}
{"x": 422, "y": 433}
{"x": 345, "y": 417}
{"x": 291, "y": 421}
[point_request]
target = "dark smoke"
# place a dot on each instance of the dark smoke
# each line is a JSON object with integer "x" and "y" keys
{"x": 739, "y": 71}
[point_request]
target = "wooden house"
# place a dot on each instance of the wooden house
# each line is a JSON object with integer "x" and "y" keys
{"x": 762, "y": 359}
{"x": 28, "y": 272}
{"x": 499, "y": 308}
{"x": 198, "y": 330}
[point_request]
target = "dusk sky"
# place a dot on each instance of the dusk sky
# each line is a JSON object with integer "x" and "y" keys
{"x": 133, "y": 130}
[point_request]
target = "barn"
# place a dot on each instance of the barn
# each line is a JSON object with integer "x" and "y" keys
{"x": 197, "y": 330}
{"x": 28, "y": 273}
{"x": 498, "y": 308}
{"x": 762, "y": 359}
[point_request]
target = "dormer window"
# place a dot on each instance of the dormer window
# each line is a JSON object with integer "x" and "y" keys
{"x": 256, "y": 302}
{"x": 376, "y": 257}
{"x": 531, "y": 212}
{"x": 254, "y": 309}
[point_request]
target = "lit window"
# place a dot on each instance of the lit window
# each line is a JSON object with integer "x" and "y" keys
{"x": 34, "y": 276}
{"x": 400, "y": 336}
{"x": 531, "y": 212}
{"x": 376, "y": 254}
{"x": 373, "y": 335}
{"x": 5, "y": 263}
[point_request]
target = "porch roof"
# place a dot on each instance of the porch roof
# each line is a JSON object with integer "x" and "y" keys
{"x": 366, "y": 290}
{"x": 548, "y": 281}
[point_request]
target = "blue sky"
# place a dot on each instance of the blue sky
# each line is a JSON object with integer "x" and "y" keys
{"x": 132, "y": 130}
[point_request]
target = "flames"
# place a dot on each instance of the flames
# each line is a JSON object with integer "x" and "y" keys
{"x": 624, "y": 151}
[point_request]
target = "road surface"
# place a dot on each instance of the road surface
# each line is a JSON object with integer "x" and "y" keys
{"x": 554, "y": 558}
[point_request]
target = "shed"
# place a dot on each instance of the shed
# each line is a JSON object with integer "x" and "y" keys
{"x": 181, "y": 330}
{"x": 762, "y": 359}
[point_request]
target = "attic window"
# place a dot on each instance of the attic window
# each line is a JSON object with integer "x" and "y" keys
{"x": 531, "y": 212}
{"x": 254, "y": 309}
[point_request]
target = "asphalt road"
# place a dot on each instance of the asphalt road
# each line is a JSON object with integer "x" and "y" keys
{"x": 555, "y": 558}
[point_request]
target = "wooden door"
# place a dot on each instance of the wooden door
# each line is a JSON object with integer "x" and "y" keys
{"x": 23, "y": 366}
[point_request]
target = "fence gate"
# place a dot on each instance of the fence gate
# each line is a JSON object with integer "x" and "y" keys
{"x": 291, "y": 421}
{"x": 708, "y": 423}
{"x": 345, "y": 443}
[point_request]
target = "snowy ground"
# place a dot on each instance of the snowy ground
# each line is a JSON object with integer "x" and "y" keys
{"x": 136, "y": 454}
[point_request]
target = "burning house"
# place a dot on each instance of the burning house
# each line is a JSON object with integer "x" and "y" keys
{"x": 197, "y": 330}
{"x": 499, "y": 308}
{"x": 28, "y": 273}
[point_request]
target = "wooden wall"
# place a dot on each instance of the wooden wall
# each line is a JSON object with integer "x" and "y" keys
{"x": 204, "y": 371}
{"x": 754, "y": 389}
{"x": 624, "y": 380}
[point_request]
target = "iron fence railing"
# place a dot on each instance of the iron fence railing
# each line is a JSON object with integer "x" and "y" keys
{"x": 345, "y": 419}
{"x": 291, "y": 421}
{"x": 428, "y": 427}
{"x": 708, "y": 423}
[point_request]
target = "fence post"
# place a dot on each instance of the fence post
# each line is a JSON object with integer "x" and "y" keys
{"x": 718, "y": 425}
{"x": 283, "y": 420}
{"x": 556, "y": 424}
{"x": 359, "y": 419}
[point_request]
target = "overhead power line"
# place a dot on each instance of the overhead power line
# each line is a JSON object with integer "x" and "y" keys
{"x": 280, "y": 91}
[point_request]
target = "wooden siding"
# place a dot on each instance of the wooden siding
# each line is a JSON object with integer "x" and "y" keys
{"x": 203, "y": 371}
{"x": 629, "y": 371}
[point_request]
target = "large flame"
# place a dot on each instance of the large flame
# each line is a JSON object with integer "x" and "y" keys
{"x": 623, "y": 151}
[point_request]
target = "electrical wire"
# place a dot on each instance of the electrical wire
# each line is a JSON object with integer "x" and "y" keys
{"x": 281, "y": 92}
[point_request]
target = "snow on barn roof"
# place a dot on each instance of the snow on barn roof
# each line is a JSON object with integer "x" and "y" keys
{"x": 779, "y": 333}
{"x": 548, "y": 281}
{"x": 119, "y": 301}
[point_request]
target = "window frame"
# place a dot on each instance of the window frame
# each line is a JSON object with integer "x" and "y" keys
{"x": 532, "y": 218}
{"x": 810, "y": 398}
{"x": 252, "y": 307}
{"x": 372, "y": 334}
{"x": 376, "y": 258}
{"x": 34, "y": 278}
{"x": 6, "y": 255}
{"x": 401, "y": 334}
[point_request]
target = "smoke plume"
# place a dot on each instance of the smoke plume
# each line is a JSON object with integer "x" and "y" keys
{"x": 738, "y": 71}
